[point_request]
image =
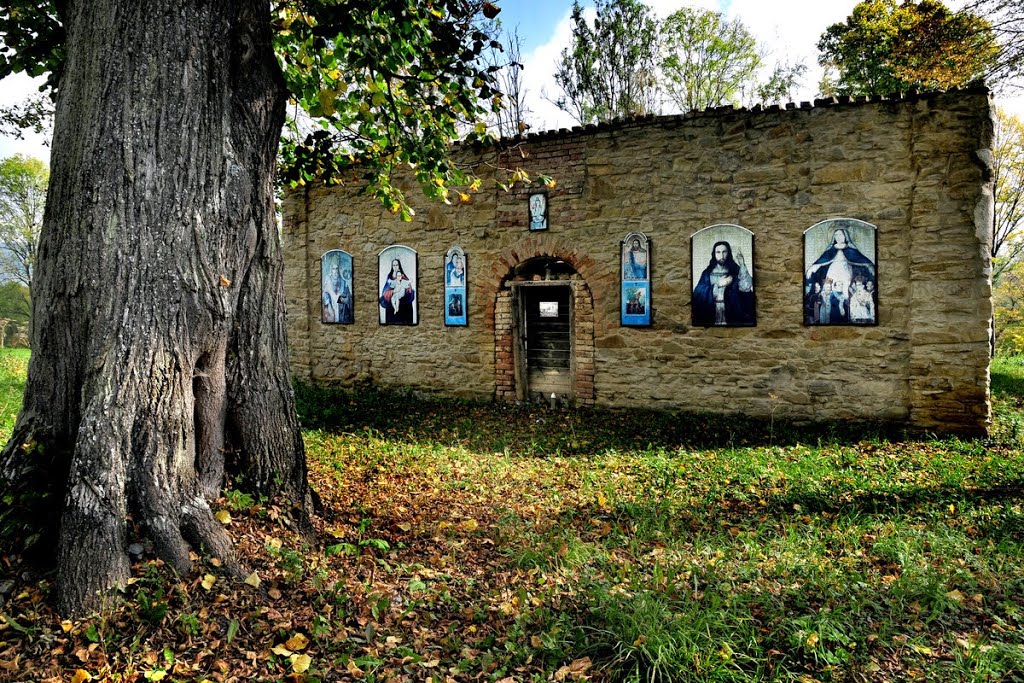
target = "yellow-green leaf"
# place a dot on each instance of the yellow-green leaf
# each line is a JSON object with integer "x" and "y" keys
{"x": 301, "y": 663}
{"x": 297, "y": 642}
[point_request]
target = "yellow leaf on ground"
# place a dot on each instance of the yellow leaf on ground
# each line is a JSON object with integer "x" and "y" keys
{"x": 536, "y": 642}
{"x": 66, "y": 626}
{"x": 253, "y": 580}
{"x": 469, "y": 525}
{"x": 223, "y": 516}
{"x": 156, "y": 675}
{"x": 208, "y": 581}
{"x": 301, "y": 663}
{"x": 282, "y": 650}
{"x": 81, "y": 675}
{"x": 354, "y": 670}
{"x": 297, "y": 642}
{"x": 812, "y": 640}
{"x": 955, "y": 596}
{"x": 575, "y": 670}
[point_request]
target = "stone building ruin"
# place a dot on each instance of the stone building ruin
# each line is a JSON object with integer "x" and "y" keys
{"x": 914, "y": 169}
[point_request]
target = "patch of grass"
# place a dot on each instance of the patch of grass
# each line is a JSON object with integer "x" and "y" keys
{"x": 13, "y": 370}
{"x": 479, "y": 542}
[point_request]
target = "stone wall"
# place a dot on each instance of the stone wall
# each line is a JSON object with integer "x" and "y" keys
{"x": 916, "y": 168}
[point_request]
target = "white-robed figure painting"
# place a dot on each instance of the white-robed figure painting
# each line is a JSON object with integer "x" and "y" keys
{"x": 840, "y": 278}
{"x": 336, "y": 288}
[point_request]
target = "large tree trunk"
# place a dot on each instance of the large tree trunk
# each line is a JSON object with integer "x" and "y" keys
{"x": 158, "y": 308}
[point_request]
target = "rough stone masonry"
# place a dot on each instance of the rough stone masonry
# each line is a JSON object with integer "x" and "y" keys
{"x": 917, "y": 167}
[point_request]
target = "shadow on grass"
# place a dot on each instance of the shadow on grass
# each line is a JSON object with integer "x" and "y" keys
{"x": 538, "y": 431}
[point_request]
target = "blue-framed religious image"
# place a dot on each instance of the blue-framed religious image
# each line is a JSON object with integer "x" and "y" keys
{"x": 722, "y": 262}
{"x": 455, "y": 275}
{"x": 840, "y": 274}
{"x": 397, "y": 283}
{"x": 635, "y": 292}
{"x": 538, "y": 206}
{"x": 336, "y": 299}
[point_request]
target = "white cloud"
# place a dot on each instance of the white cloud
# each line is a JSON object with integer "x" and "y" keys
{"x": 14, "y": 89}
{"x": 539, "y": 78}
{"x": 790, "y": 30}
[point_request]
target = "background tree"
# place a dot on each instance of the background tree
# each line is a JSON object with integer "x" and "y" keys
{"x": 22, "y": 200}
{"x": 512, "y": 116}
{"x": 706, "y": 60}
{"x": 159, "y": 351}
{"x": 782, "y": 84}
{"x": 15, "y": 308}
{"x": 610, "y": 69}
{"x": 885, "y": 47}
{"x": 1006, "y": 23}
{"x": 1008, "y": 187}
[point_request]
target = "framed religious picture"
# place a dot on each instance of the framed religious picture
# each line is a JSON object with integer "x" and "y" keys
{"x": 455, "y": 303}
{"x": 722, "y": 267}
{"x": 397, "y": 284}
{"x": 336, "y": 299}
{"x": 635, "y": 287}
{"x": 840, "y": 274}
{"x": 538, "y": 205}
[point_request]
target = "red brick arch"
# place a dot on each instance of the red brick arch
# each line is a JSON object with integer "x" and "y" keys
{"x": 500, "y": 305}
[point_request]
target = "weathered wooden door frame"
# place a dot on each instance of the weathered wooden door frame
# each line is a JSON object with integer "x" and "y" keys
{"x": 519, "y": 336}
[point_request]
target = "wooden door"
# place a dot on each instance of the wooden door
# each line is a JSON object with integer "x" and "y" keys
{"x": 547, "y": 340}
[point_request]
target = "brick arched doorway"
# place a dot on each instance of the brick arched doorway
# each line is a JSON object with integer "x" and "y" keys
{"x": 544, "y": 333}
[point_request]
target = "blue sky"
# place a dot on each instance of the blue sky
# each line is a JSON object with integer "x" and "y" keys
{"x": 789, "y": 29}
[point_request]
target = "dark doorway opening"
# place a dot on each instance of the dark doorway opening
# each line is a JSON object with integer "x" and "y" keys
{"x": 546, "y": 341}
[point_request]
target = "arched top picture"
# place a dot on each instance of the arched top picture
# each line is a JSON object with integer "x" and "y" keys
{"x": 336, "y": 295}
{"x": 398, "y": 285}
{"x": 840, "y": 273}
{"x": 722, "y": 265}
{"x": 537, "y": 203}
{"x": 455, "y": 267}
{"x": 636, "y": 257}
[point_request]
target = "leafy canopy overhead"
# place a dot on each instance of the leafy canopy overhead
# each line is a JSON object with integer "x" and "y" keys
{"x": 885, "y": 47}
{"x": 374, "y": 84}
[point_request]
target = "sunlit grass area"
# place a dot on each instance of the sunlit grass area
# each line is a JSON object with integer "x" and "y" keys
{"x": 463, "y": 541}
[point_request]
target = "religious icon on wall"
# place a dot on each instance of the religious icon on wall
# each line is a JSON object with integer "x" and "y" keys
{"x": 635, "y": 294}
{"x": 336, "y": 299}
{"x": 722, "y": 263}
{"x": 455, "y": 309}
{"x": 396, "y": 277}
{"x": 538, "y": 205}
{"x": 840, "y": 278}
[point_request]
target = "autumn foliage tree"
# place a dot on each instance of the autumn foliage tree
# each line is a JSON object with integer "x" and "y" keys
{"x": 886, "y": 46}
{"x": 159, "y": 351}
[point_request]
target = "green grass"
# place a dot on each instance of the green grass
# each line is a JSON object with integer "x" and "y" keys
{"x": 13, "y": 369}
{"x": 485, "y": 542}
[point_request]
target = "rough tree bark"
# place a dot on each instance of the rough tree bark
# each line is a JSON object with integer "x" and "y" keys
{"x": 159, "y": 338}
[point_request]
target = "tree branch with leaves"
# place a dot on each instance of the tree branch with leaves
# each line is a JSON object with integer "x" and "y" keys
{"x": 610, "y": 70}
